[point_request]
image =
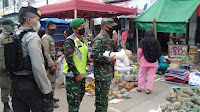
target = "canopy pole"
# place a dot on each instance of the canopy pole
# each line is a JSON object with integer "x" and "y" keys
{"x": 75, "y": 13}
{"x": 155, "y": 30}
{"x": 137, "y": 42}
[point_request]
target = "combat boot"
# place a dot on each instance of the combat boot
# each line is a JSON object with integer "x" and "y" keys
{"x": 54, "y": 104}
{"x": 7, "y": 108}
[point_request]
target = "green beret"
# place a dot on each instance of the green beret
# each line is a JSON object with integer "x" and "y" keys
{"x": 108, "y": 21}
{"x": 76, "y": 22}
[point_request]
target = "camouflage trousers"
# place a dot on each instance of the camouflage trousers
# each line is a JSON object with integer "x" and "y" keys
{"x": 75, "y": 93}
{"x": 5, "y": 85}
{"x": 52, "y": 79}
{"x": 101, "y": 92}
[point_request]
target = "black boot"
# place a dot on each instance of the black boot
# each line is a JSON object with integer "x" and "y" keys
{"x": 54, "y": 104}
{"x": 56, "y": 99}
{"x": 7, "y": 108}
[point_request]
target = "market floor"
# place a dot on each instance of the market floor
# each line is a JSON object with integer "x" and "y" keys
{"x": 140, "y": 102}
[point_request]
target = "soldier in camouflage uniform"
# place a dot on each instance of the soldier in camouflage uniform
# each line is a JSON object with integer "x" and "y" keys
{"x": 103, "y": 66}
{"x": 75, "y": 64}
{"x": 5, "y": 82}
{"x": 50, "y": 53}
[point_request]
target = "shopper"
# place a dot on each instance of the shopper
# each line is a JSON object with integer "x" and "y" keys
{"x": 103, "y": 66}
{"x": 124, "y": 38}
{"x": 149, "y": 52}
{"x": 67, "y": 33}
{"x": 59, "y": 71}
{"x": 75, "y": 50}
{"x": 50, "y": 53}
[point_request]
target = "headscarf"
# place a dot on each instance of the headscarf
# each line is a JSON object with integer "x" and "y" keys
{"x": 150, "y": 46}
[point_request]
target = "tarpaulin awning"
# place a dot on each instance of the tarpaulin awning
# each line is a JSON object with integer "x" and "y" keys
{"x": 85, "y": 9}
{"x": 170, "y": 15}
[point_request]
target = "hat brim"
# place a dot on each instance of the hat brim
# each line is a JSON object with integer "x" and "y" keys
{"x": 113, "y": 24}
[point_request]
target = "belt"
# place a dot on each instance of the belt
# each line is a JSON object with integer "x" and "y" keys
{"x": 72, "y": 75}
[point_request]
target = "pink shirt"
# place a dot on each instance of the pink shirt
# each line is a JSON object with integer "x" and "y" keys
{"x": 143, "y": 61}
{"x": 124, "y": 35}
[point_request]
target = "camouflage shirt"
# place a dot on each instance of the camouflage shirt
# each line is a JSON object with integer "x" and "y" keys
{"x": 103, "y": 69}
{"x": 69, "y": 51}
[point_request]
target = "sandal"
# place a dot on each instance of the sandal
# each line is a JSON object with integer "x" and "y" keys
{"x": 139, "y": 89}
{"x": 148, "y": 91}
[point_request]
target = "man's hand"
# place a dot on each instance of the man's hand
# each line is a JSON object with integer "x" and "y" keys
{"x": 88, "y": 68}
{"x": 112, "y": 58}
{"x": 53, "y": 69}
{"x": 79, "y": 78}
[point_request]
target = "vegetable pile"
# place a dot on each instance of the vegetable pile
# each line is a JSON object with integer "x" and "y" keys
{"x": 185, "y": 99}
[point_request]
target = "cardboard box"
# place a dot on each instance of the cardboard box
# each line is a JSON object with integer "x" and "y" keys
{"x": 193, "y": 49}
{"x": 193, "y": 57}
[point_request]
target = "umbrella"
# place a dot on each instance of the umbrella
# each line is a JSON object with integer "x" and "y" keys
{"x": 55, "y": 20}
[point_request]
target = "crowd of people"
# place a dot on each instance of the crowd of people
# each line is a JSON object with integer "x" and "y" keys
{"x": 29, "y": 63}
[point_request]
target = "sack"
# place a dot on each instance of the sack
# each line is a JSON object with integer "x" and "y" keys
{"x": 194, "y": 79}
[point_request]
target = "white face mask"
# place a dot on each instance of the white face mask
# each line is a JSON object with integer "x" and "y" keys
{"x": 36, "y": 28}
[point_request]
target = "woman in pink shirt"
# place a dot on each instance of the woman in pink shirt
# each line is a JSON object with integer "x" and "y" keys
{"x": 149, "y": 52}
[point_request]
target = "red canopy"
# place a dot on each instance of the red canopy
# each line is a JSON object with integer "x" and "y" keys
{"x": 84, "y": 8}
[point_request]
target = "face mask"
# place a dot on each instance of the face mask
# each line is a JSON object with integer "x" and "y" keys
{"x": 52, "y": 31}
{"x": 36, "y": 28}
{"x": 81, "y": 31}
{"x": 0, "y": 31}
{"x": 110, "y": 32}
{"x": 9, "y": 29}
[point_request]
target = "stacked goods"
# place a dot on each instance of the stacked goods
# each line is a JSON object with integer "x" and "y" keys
{"x": 119, "y": 94}
{"x": 89, "y": 86}
{"x": 127, "y": 85}
{"x": 116, "y": 75}
{"x": 182, "y": 100}
{"x": 177, "y": 75}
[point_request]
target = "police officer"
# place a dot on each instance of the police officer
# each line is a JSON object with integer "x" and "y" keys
{"x": 5, "y": 82}
{"x": 50, "y": 53}
{"x": 31, "y": 88}
{"x": 75, "y": 50}
{"x": 103, "y": 66}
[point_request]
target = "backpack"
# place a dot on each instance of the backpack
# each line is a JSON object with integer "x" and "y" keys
{"x": 14, "y": 60}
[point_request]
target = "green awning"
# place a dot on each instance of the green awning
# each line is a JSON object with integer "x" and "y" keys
{"x": 170, "y": 15}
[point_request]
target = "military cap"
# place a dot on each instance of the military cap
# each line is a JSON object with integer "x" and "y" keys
{"x": 8, "y": 22}
{"x": 30, "y": 9}
{"x": 76, "y": 22}
{"x": 108, "y": 21}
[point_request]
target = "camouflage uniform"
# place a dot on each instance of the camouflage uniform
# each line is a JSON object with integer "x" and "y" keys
{"x": 103, "y": 70}
{"x": 5, "y": 82}
{"x": 50, "y": 53}
{"x": 75, "y": 90}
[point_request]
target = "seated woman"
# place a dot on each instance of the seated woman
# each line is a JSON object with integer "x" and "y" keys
{"x": 124, "y": 66}
{"x": 163, "y": 64}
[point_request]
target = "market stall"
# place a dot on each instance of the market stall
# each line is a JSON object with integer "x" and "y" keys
{"x": 84, "y": 9}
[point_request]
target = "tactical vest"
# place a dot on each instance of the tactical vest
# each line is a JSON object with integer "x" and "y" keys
{"x": 79, "y": 58}
{"x": 14, "y": 60}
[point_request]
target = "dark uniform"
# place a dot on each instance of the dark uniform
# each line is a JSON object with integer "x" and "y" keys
{"x": 75, "y": 90}
{"x": 31, "y": 88}
{"x": 103, "y": 70}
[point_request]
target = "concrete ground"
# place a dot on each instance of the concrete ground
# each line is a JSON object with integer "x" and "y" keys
{"x": 140, "y": 102}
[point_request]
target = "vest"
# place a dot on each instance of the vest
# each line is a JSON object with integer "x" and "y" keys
{"x": 79, "y": 58}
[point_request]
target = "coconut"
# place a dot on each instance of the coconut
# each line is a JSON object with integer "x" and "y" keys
{"x": 114, "y": 93}
{"x": 93, "y": 93}
{"x": 176, "y": 105}
{"x": 109, "y": 98}
{"x": 124, "y": 82}
{"x": 119, "y": 96}
{"x": 120, "y": 86}
{"x": 128, "y": 87}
